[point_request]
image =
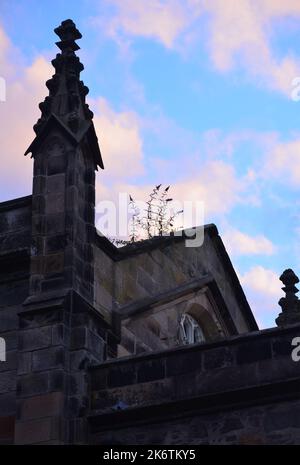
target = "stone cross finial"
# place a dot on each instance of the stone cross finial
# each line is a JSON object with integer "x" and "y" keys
{"x": 290, "y": 303}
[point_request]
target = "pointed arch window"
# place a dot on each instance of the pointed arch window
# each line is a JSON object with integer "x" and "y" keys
{"x": 190, "y": 331}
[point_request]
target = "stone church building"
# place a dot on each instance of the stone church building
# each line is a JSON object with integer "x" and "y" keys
{"x": 150, "y": 343}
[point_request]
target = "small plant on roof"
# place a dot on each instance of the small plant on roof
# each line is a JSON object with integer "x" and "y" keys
{"x": 157, "y": 219}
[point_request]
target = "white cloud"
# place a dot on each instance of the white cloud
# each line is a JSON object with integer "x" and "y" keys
{"x": 263, "y": 290}
{"x": 239, "y": 243}
{"x": 216, "y": 185}
{"x": 239, "y": 32}
{"x": 283, "y": 161}
{"x": 25, "y": 88}
{"x": 119, "y": 132}
{"x": 120, "y": 140}
{"x": 262, "y": 280}
{"x": 162, "y": 20}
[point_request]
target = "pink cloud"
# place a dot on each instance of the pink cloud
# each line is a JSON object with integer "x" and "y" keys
{"x": 239, "y": 243}
{"x": 215, "y": 185}
{"x": 25, "y": 88}
{"x": 240, "y": 37}
{"x": 239, "y": 33}
{"x": 162, "y": 20}
{"x": 263, "y": 290}
{"x": 120, "y": 140}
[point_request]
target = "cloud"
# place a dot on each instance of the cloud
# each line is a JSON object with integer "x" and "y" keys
{"x": 262, "y": 280}
{"x": 25, "y": 88}
{"x": 162, "y": 20}
{"x": 263, "y": 290}
{"x": 239, "y": 243}
{"x": 238, "y": 34}
{"x": 283, "y": 161}
{"x": 119, "y": 132}
{"x": 120, "y": 140}
{"x": 216, "y": 184}
{"x": 194, "y": 164}
{"x": 216, "y": 187}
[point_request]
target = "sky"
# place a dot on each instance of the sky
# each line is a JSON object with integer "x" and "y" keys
{"x": 199, "y": 94}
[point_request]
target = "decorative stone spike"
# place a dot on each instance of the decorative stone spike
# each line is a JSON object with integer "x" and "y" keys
{"x": 290, "y": 303}
{"x": 68, "y": 33}
{"x": 66, "y": 105}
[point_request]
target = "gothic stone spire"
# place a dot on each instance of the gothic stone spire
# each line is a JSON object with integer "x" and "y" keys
{"x": 66, "y": 103}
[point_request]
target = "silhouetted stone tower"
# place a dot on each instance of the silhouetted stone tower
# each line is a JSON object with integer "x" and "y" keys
{"x": 66, "y": 155}
{"x": 61, "y": 332}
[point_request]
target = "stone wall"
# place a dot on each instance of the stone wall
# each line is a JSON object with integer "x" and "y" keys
{"x": 242, "y": 390}
{"x": 129, "y": 279}
{"x": 15, "y": 237}
{"x": 54, "y": 335}
{"x": 157, "y": 326}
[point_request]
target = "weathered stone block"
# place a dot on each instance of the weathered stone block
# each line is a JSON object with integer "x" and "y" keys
{"x": 50, "y": 404}
{"x": 38, "y": 205}
{"x": 7, "y": 428}
{"x": 150, "y": 370}
{"x": 39, "y": 183}
{"x": 56, "y": 165}
{"x": 145, "y": 280}
{"x": 7, "y": 381}
{"x": 247, "y": 353}
{"x": 7, "y": 403}
{"x": 218, "y": 358}
{"x": 55, "y": 183}
{"x": 37, "y": 265}
{"x": 55, "y": 203}
{"x": 57, "y": 380}
{"x": 34, "y": 431}
{"x": 45, "y": 318}
{"x": 120, "y": 376}
{"x": 60, "y": 334}
{"x": 79, "y": 360}
{"x": 183, "y": 363}
{"x": 33, "y": 383}
{"x": 52, "y": 284}
{"x": 11, "y": 294}
{"x": 38, "y": 225}
{"x": 54, "y": 263}
{"x": 24, "y": 363}
{"x": 55, "y": 243}
{"x": 8, "y": 319}
{"x": 55, "y": 224}
{"x": 98, "y": 379}
{"x": 282, "y": 346}
{"x": 45, "y": 359}
{"x": 33, "y": 339}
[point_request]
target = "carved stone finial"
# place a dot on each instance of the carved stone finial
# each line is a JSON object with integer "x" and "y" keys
{"x": 66, "y": 103}
{"x": 290, "y": 303}
{"x": 68, "y": 33}
{"x": 67, "y": 93}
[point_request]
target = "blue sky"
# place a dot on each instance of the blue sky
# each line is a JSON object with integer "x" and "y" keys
{"x": 192, "y": 93}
